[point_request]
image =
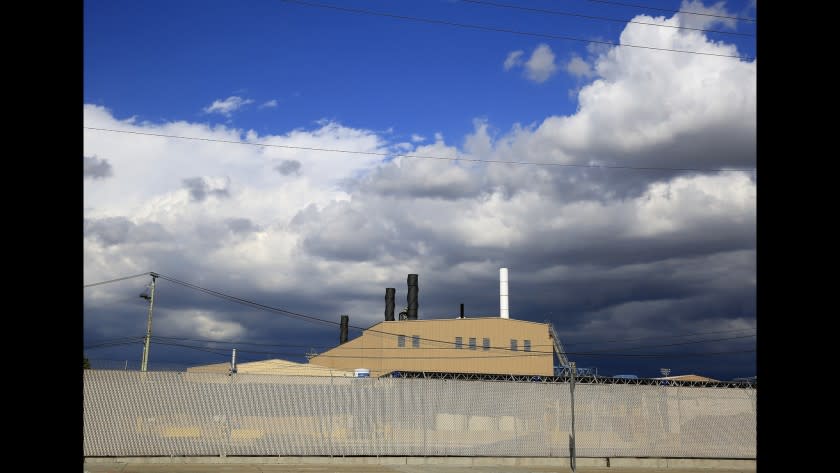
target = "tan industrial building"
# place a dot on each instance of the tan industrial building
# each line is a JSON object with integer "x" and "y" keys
{"x": 276, "y": 367}
{"x": 487, "y": 345}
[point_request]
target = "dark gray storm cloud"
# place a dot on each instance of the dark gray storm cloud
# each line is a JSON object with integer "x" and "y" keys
{"x": 241, "y": 225}
{"x": 119, "y": 230}
{"x": 95, "y": 168}
{"x": 417, "y": 178}
{"x": 288, "y": 166}
{"x": 212, "y": 234}
{"x": 200, "y": 189}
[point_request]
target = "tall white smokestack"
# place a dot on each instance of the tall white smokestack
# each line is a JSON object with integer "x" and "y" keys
{"x": 503, "y": 293}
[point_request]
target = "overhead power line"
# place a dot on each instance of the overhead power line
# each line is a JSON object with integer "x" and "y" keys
{"x": 380, "y": 332}
{"x": 602, "y": 18}
{"x": 297, "y": 315}
{"x": 368, "y": 330}
{"x": 414, "y": 156}
{"x": 610, "y": 2}
{"x": 691, "y": 342}
{"x": 114, "y": 344}
{"x": 207, "y": 350}
{"x": 565, "y": 344}
{"x": 118, "y": 279}
{"x": 118, "y": 339}
{"x": 285, "y": 345}
{"x": 300, "y": 316}
{"x": 622, "y": 340}
{"x": 499, "y": 30}
{"x": 519, "y": 354}
{"x": 237, "y": 342}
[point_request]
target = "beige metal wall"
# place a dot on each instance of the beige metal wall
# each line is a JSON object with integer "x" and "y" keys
{"x": 377, "y": 348}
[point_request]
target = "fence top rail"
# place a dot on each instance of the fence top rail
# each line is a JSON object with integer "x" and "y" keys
{"x": 519, "y": 378}
{"x": 589, "y": 379}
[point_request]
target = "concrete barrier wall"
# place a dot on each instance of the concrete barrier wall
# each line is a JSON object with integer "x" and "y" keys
{"x": 186, "y": 414}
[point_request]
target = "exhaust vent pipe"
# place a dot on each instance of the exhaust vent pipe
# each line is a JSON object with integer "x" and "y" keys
{"x": 412, "y": 297}
{"x": 504, "y": 312}
{"x": 390, "y": 292}
{"x": 345, "y": 320}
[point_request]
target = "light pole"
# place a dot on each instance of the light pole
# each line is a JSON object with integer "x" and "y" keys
{"x": 151, "y": 299}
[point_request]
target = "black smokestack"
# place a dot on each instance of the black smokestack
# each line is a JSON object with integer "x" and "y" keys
{"x": 345, "y": 320}
{"x": 390, "y": 292}
{"x": 412, "y": 297}
{"x": 462, "y": 311}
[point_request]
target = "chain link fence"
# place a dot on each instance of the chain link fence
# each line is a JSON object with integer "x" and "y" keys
{"x": 129, "y": 413}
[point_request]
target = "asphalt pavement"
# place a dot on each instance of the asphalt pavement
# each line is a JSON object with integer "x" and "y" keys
{"x": 338, "y": 468}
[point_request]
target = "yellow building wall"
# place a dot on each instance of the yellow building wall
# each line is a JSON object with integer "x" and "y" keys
{"x": 377, "y": 348}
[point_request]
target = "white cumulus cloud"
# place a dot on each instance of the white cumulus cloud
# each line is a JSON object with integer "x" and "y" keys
{"x": 708, "y": 15}
{"x": 579, "y": 67}
{"x": 227, "y": 106}
{"x": 514, "y": 59}
{"x": 540, "y": 66}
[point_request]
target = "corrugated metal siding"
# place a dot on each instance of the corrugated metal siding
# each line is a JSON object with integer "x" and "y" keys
{"x": 129, "y": 413}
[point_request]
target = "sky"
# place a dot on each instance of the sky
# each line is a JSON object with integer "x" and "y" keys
{"x": 605, "y": 154}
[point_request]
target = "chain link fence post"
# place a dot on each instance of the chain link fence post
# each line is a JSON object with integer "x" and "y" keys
{"x": 572, "y": 454}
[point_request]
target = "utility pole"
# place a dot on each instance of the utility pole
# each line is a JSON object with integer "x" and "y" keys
{"x": 151, "y": 297}
{"x": 572, "y": 454}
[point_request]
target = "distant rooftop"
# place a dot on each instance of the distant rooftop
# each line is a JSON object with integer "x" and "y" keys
{"x": 275, "y": 366}
{"x": 689, "y": 377}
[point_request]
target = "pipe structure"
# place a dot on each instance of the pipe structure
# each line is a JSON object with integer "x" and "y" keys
{"x": 413, "y": 290}
{"x": 504, "y": 311}
{"x": 390, "y": 292}
{"x": 345, "y": 321}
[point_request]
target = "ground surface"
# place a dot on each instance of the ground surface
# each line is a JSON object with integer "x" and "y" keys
{"x": 255, "y": 468}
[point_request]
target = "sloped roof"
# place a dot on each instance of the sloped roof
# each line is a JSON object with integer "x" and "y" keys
{"x": 275, "y": 366}
{"x": 689, "y": 377}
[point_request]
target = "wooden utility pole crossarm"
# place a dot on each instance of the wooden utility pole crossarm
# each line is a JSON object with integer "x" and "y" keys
{"x": 151, "y": 298}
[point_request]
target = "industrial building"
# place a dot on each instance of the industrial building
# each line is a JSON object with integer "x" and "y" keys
{"x": 463, "y": 345}
{"x": 458, "y": 348}
{"x": 490, "y": 345}
{"x": 477, "y": 345}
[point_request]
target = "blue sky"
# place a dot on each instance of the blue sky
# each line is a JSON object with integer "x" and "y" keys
{"x": 604, "y": 254}
{"x": 164, "y": 61}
